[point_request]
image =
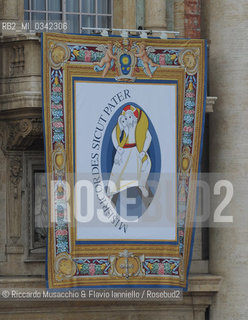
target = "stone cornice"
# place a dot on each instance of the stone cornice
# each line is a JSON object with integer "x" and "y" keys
{"x": 22, "y": 99}
{"x": 10, "y": 37}
{"x": 20, "y": 114}
{"x": 204, "y": 283}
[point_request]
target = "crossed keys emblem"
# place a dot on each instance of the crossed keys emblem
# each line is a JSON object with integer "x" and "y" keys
{"x": 126, "y": 265}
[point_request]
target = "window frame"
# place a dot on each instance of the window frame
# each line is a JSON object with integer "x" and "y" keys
{"x": 63, "y": 13}
{"x": 33, "y": 162}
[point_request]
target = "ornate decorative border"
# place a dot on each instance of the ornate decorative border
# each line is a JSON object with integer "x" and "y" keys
{"x": 63, "y": 56}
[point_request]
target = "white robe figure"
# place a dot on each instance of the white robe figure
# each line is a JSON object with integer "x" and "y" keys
{"x": 132, "y": 163}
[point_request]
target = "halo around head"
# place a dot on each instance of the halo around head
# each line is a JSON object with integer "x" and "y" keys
{"x": 131, "y": 108}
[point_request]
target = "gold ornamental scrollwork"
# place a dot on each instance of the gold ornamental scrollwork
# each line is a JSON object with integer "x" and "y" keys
{"x": 126, "y": 265}
{"x": 190, "y": 59}
{"x": 58, "y": 54}
{"x": 65, "y": 267}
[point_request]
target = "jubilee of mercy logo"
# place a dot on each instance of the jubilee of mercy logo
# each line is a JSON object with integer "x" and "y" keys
{"x": 129, "y": 159}
{"x": 132, "y": 164}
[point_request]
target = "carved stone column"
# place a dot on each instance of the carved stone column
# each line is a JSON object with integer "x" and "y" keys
{"x": 179, "y": 16}
{"x": 124, "y": 14}
{"x": 129, "y": 14}
{"x": 226, "y": 27}
{"x": 155, "y": 14}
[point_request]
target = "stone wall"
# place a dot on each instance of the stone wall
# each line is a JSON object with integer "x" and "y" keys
{"x": 225, "y": 25}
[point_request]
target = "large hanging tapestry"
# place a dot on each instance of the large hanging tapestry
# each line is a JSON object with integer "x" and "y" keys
{"x": 123, "y": 121}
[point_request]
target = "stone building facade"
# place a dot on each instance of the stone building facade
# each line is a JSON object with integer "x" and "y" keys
{"x": 218, "y": 279}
